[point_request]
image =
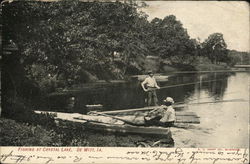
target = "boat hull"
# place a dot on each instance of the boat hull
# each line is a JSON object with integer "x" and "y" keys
{"x": 154, "y": 131}
{"x": 91, "y": 123}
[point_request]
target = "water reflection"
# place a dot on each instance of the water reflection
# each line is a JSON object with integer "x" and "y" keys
{"x": 130, "y": 94}
{"x": 222, "y": 124}
{"x": 213, "y": 84}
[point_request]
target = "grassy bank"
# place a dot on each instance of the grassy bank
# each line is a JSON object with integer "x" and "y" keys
{"x": 211, "y": 67}
{"x": 20, "y": 134}
{"x": 198, "y": 67}
{"x": 190, "y": 64}
{"x": 67, "y": 134}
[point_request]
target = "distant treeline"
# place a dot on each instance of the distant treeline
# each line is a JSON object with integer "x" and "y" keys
{"x": 240, "y": 57}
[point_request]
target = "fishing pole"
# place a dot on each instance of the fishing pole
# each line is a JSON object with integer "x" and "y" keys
{"x": 170, "y": 86}
{"x": 179, "y": 105}
{"x": 182, "y": 102}
{"x": 209, "y": 102}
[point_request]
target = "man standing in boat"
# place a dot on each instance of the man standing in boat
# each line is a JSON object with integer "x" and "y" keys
{"x": 150, "y": 85}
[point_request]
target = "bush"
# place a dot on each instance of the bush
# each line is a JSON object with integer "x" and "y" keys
{"x": 22, "y": 134}
{"x": 210, "y": 67}
{"x": 184, "y": 67}
{"x": 19, "y": 134}
{"x": 18, "y": 110}
{"x": 204, "y": 64}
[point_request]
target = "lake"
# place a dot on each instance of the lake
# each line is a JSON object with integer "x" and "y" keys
{"x": 223, "y": 124}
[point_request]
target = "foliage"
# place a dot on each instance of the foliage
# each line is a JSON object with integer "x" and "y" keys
{"x": 215, "y": 48}
{"x": 107, "y": 40}
{"x": 69, "y": 42}
{"x": 82, "y": 35}
{"x": 103, "y": 40}
{"x": 169, "y": 38}
{"x": 16, "y": 134}
{"x": 239, "y": 57}
{"x": 66, "y": 134}
{"x": 208, "y": 66}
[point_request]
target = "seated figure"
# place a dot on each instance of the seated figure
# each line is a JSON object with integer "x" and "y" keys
{"x": 164, "y": 116}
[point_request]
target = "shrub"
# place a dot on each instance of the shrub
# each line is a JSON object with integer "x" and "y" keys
{"x": 19, "y": 134}
{"x": 18, "y": 110}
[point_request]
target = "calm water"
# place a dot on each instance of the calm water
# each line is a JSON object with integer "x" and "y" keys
{"x": 222, "y": 124}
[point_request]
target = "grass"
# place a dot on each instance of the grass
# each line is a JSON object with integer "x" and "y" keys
{"x": 15, "y": 133}
{"x": 20, "y": 134}
{"x": 211, "y": 67}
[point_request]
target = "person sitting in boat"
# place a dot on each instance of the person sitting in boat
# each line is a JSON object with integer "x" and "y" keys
{"x": 163, "y": 116}
{"x": 150, "y": 85}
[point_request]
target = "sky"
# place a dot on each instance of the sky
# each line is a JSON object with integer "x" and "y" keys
{"x": 202, "y": 18}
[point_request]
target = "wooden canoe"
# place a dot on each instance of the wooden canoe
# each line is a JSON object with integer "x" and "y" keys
{"x": 116, "y": 126}
{"x": 154, "y": 131}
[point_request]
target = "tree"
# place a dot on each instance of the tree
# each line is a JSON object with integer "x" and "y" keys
{"x": 57, "y": 40}
{"x": 169, "y": 39}
{"x": 237, "y": 57}
{"x": 215, "y": 48}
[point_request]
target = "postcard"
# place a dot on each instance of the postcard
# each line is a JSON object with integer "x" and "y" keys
{"x": 124, "y": 81}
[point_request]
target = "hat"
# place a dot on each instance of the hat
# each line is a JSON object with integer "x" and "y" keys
{"x": 169, "y": 99}
{"x": 150, "y": 71}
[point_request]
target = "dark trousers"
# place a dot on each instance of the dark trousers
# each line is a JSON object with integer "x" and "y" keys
{"x": 167, "y": 124}
{"x": 152, "y": 97}
{"x": 156, "y": 122}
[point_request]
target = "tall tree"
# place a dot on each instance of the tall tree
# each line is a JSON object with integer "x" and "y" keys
{"x": 58, "y": 40}
{"x": 215, "y": 47}
{"x": 169, "y": 38}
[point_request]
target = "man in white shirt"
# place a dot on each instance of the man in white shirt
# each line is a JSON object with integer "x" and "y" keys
{"x": 150, "y": 85}
{"x": 168, "y": 118}
{"x": 164, "y": 116}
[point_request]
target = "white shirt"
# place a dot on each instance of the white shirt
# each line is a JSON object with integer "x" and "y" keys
{"x": 150, "y": 82}
{"x": 169, "y": 115}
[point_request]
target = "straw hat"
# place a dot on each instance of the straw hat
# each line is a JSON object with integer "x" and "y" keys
{"x": 150, "y": 71}
{"x": 169, "y": 99}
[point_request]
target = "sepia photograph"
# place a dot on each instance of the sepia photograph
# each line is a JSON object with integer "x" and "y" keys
{"x": 134, "y": 74}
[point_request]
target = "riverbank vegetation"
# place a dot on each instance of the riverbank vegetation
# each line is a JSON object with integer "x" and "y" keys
{"x": 50, "y": 45}
{"x": 99, "y": 41}
{"x": 14, "y": 133}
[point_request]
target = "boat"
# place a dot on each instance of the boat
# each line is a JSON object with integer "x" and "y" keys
{"x": 129, "y": 129}
{"x": 108, "y": 124}
{"x": 121, "y": 122}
